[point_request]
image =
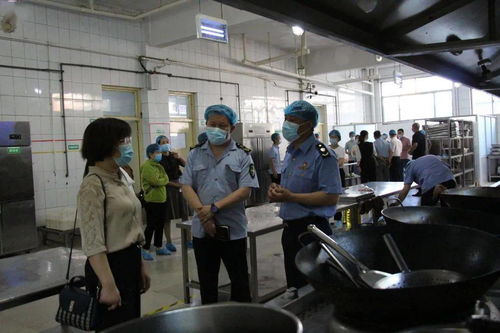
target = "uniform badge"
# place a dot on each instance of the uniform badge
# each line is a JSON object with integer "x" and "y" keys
{"x": 304, "y": 166}
{"x": 251, "y": 170}
{"x": 323, "y": 151}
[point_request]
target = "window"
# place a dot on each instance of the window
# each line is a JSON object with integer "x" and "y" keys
{"x": 351, "y": 107}
{"x": 425, "y": 97}
{"x": 179, "y": 105}
{"x": 485, "y": 103}
{"x": 119, "y": 103}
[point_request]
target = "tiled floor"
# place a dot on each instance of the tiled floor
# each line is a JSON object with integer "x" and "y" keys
{"x": 166, "y": 288}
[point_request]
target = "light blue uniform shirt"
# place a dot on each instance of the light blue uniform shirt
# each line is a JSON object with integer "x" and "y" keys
{"x": 274, "y": 156}
{"x": 214, "y": 180}
{"x": 427, "y": 171}
{"x": 382, "y": 147}
{"x": 306, "y": 171}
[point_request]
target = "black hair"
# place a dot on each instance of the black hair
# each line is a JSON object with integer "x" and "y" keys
{"x": 275, "y": 136}
{"x": 402, "y": 130}
{"x": 376, "y": 134}
{"x": 101, "y": 137}
{"x": 363, "y": 135}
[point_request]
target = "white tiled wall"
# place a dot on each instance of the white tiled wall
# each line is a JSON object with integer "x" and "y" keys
{"x": 46, "y": 37}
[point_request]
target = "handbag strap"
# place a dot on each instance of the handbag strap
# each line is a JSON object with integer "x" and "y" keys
{"x": 74, "y": 225}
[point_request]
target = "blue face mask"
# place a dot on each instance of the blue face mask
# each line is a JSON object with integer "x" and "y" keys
{"x": 290, "y": 131}
{"x": 165, "y": 147}
{"x": 126, "y": 155}
{"x": 157, "y": 158}
{"x": 217, "y": 136}
{"x": 334, "y": 141}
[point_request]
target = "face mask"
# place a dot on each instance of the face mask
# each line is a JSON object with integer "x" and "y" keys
{"x": 334, "y": 141}
{"x": 126, "y": 154}
{"x": 217, "y": 136}
{"x": 157, "y": 158}
{"x": 165, "y": 147}
{"x": 290, "y": 131}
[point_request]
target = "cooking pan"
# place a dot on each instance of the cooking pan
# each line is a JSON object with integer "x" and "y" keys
{"x": 217, "y": 318}
{"x": 484, "y": 199}
{"x": 467, "y": 251}
{"x": 443, "y": 215}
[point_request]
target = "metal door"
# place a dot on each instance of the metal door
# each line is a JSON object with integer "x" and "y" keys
{"x": 17, "y": 227}
{"x": 16, "y": 173}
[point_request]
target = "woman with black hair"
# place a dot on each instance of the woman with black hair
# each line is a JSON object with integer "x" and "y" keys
{"x": 109, "y": 216}
{"x": 367, "y": 162}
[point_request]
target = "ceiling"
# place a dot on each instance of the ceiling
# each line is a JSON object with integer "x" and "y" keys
{"x": 421, "y": 33}
{"x": 280, "y": 34}
{"x": 121, "y": 7}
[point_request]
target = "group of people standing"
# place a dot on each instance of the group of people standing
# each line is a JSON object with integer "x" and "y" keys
{"x": 218, "y": 177}
{"x": 383, "y": 159}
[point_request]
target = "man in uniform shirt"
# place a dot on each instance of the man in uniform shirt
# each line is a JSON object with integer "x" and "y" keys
{"x": 382, "y": 149}
{"x": 395, "y": 170}
{"x": 275, "y": 159}
{"x": 217, "y": 180}
{"x": 432, "y": 175}
{"x": 349, "y": 145}
{"x": 310, "y": 184}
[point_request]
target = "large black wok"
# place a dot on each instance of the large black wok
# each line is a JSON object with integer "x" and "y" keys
{"x": 217, "y": 318}
{"x": 485, "y": 199}
{"x": 468, "y": 251}
{"x": 443, "y": 215}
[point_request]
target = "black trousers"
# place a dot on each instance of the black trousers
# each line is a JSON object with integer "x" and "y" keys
{"x": 395, "y": 172}
{"x": 276, "y": 180}
{"x": 427, "y": 197}
{"x": 155, "y": 217}
{"x": 126, "y": 268}
{"x": 208, "y": 253}
{"x": 291, "y": 245}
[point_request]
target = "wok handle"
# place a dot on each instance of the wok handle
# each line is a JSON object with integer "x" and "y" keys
{"x": 483, "y": 325}
{"x": 338, "y": 263}
{"x": 395, "y": 253}
{"x": 334, "y": 245}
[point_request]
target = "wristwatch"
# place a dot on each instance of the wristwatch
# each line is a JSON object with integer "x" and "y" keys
{"x": 214, "y": 209}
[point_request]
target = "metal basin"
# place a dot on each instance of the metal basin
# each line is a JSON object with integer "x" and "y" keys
{"x": 443, "y": 215}
{"x": 217, "y": 318}
{"x": 485, "y": 199}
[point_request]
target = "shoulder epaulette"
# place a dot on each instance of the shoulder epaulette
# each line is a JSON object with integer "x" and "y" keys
{"x": 197, "y": 146}
{"x": 245, "y": 149}
{"x": 323, "y": 151}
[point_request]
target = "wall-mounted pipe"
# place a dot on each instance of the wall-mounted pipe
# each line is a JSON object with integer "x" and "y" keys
{"x": 93, "y": 11}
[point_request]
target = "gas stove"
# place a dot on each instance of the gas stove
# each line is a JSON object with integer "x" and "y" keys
{"x": 317, "y": 315}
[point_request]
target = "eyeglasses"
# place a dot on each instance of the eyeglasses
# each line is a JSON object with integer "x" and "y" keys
{"x": 125, "y": 141}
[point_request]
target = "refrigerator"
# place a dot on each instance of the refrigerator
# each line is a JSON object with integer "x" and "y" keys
{"x": 17, "y": 206}
{"x": 257, "y": 137}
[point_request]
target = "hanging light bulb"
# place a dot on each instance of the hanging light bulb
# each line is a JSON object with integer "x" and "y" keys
{"x": 297, "y": 30}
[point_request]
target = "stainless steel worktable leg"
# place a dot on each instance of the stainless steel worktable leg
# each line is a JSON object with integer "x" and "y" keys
{"x": 254, "y": 280}
{"x": 185, "y": 266}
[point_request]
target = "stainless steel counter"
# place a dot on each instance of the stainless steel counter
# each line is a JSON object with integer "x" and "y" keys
{"x": 29, "y": 277}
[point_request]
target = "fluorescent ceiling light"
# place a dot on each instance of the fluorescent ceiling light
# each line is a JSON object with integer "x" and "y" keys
{"x": 297, "y": 30}
{"x": 203, "y": 27}
{"x": 211, "y": 33}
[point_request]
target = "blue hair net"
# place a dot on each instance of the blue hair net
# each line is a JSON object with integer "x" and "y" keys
{"x": 336, "y": 133}
{"x": 274, "y": 136}
{"x": 159, "y": 138}
{"x": 223, "y": 110}
{"x": 202, "y": 138}
{"x": 152, "y": 148}
{"x": 392, "y": 132}
{"x": 303, "y": 110}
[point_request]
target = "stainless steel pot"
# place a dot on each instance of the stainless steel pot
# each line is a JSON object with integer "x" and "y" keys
{"x": 217, "y": 318}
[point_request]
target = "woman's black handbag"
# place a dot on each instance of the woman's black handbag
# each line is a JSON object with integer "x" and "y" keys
{"x": 77, "y": 306}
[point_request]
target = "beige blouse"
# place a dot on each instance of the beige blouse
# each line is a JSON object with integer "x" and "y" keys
{"x": 124, "y": 221}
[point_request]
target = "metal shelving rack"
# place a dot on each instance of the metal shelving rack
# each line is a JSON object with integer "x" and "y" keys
{"x": 453, "y": 140}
